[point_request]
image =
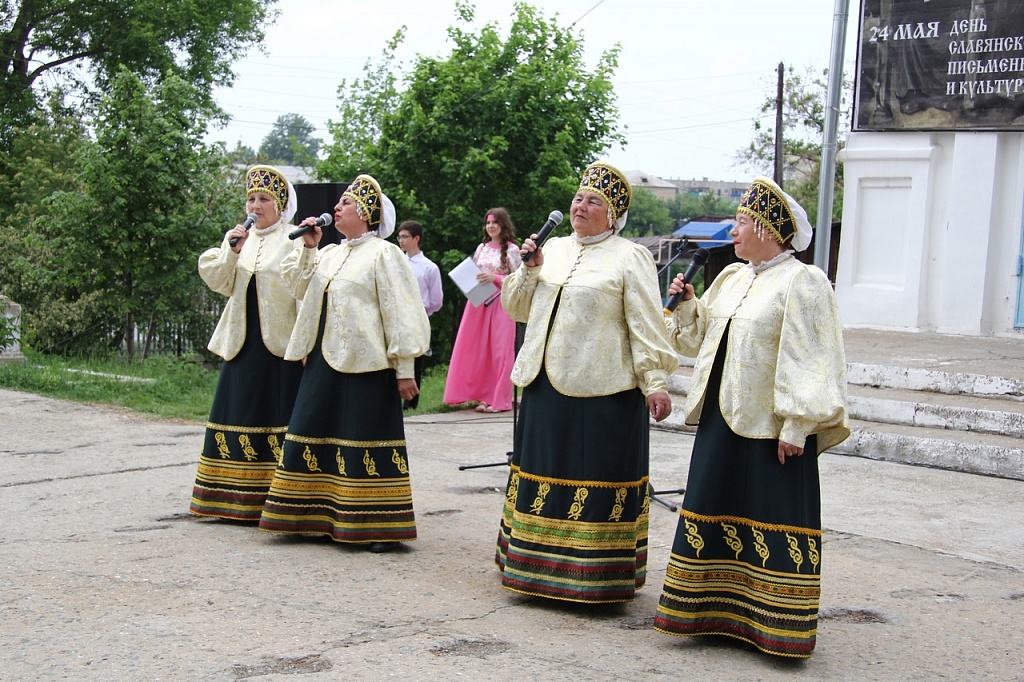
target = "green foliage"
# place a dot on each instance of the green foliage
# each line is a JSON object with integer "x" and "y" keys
{"x": 163, "y": 386}
{"x": 803, "y": 124}
{"x": 691, "y": 205}
{"x": 291, "y": 141}
{"x": 194, "y": 40}
{"x": 498, "y": 122}
{"x": 648, "y": 215}
{"x": 105, "y": 233}
{"x": 167, "y": 387}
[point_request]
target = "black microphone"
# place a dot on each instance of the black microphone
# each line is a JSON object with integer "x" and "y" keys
{"x": 554, "y": 218}
{"x": 250, "y": 220}
{"x": 697, "y": 261}
{"x": 324, "y": 220}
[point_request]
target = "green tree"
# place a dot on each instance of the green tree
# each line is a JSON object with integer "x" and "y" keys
{"x": 690, "y": 205}
{"x": 803, "y": 124}
{"x": 648, "y": 215}
{"x": 85, "y": 42}
{"x": 31, "y": 263}
{"x": 152, "y": 195}
{"x": 291, "y": 141}
{"x": 243, "y": 154}
{"x": 498, "y": 122}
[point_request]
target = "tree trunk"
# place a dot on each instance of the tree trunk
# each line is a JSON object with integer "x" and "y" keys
{"x": 129, "y": 337}
{"x": 150, "y": 335}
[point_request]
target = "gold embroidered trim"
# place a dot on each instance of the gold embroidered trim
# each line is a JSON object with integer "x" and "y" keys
{"x": 751, "y": 524}
{"x": 310, "y": 458}
{"x": 746, "y": 606}
{"x": 570, "y": 483}
{"x": 247, "y": 450}
{"x": 794, "y": 551}
{"x": 399, "y": 462}
{"x": 513, "y": 489}
{"x": 693, "y": 537}
{"x": 276, "y": 448}
{"x": 213, "y": 426}
{"x": 222, "y": 445}
{"x": 371, "y": 466}
{"x": 538, "y": 502}
{"x": 731, "y": 539}
{"x": 341, "y": 463}
{"x": 619, "y": 507}
{"x": 346, "y": 443}
{"x": 576, "y": 509}
{"x": 760, "y": 546}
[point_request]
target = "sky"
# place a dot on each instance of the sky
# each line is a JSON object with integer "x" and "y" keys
{"x": 691, "y": 78}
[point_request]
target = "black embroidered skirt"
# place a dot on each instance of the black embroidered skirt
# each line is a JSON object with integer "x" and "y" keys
{"x": 245, "y": 432}
{"x": 345, "y": 468}
{"x": 746, "y": 561}
{"x": 574, "y": 524}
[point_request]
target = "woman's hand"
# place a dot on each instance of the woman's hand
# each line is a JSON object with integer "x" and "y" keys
{"x": 237, "y": 232}
{"x": 660, "y": 405}
{"x": 530, "y": 246}
{"x": 408, "y": 389}
{"x": 312, "y": 238}
{"x": 788, "y": 450}
{"x": 485, "y": 277}
{"x": 677, "y": 285}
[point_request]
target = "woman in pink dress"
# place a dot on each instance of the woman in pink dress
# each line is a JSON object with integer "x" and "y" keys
{"x": 484, "y": 351}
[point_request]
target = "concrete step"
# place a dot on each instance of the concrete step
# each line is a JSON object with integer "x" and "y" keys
{"x": 966, "y": 412}
{"x": 958, "y": 408}
{"x": 970, "y": 452}
{"x": 937, "y": 418}
{"x": 947, "y": 381}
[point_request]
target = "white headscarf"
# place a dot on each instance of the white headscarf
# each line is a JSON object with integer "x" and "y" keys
{"x": 802, "y": 237}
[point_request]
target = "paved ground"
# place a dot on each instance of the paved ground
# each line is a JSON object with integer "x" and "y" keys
{"x": 985, "y": 355}
{"x": 105, "y": 576}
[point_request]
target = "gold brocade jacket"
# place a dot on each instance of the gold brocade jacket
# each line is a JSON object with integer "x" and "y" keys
{"x": 785, "y": 368}
{"x": 608, "y": 333}
{"x": 375, "y": 316}
{"x": 228, "y": 273}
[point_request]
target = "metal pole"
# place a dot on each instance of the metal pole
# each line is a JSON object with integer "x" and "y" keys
{"x": 826, "y": 180}
{"x": 779, "y": 150}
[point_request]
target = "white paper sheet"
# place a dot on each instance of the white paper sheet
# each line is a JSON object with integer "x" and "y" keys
{"x": 464, "y": 276}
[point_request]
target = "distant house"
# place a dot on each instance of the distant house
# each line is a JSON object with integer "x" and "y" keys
{"x": 669, "y": 189}
{"x": 730, "y": 190}
{"x": 652, "y": 183}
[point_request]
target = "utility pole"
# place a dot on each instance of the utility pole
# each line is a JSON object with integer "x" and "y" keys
{"x": 778, "y": 127}
{"x": 826, "y": 180}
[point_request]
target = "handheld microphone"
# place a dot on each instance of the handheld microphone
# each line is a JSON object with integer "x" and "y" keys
{"x": 250, "y": 220}
{"x": 324, "y": 220}
{"x": 697, "y": 261}
{"x": 554, "y": 218}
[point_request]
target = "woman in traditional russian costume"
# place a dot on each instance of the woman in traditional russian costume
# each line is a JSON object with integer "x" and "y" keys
{"x": 256, "y": 388}
{"x": 361, "y": 324}
{"x": 594, "y": 363}
{"x": 769, "y": 393}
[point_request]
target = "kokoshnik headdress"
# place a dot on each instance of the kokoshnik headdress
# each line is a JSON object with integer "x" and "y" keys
{"x": 608, "y": 181}
{"x": 378, "y": 209}
{"x": 269, "y": 180}
{"x": 777, "y": 212}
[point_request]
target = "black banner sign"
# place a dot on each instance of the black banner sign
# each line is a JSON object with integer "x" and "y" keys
{"x": 940, "y": 65}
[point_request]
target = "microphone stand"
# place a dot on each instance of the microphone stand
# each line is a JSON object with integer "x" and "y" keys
{"x": 520, "y": 333}
{"x": 654, "y": 496}
{"x": 678, "y": 252}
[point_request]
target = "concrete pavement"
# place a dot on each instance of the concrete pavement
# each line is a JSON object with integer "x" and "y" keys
{"x": 105, "y": 576}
